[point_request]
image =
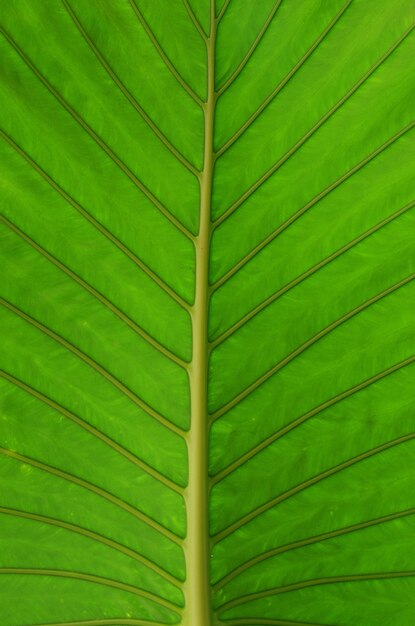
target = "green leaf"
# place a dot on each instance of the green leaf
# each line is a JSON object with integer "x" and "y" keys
{"x": 208, "y": 256}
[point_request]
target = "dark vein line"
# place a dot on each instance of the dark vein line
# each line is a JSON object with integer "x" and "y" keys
{"x": 98, "y": 295}
{"x": 107, "y": 582}
{"x": 263, "y": 179}
{"x": 339, "y": 181}
{"x": 95, "y": 432}
{"x": 121, "y": 621}
{"x": 99, "y": 368}
{"x": 118, "y": 502}
{"x": 252, "y": 515}
{"x": 282, "y": 84}
{"x": 322, "y": 333}
{"x": 222, "y": 11}
{"x": 132, "y": 100}
{"x": 315, "y": 268}
{"x": 247, "y": 565}
{"x": 195, "y": 21}
{"x": 315, "y": 582}
{"x": 100, "y": 142}
{"x": 148, "y": 410}
{"x": 259, "y": 621}
{"x": 84, "y": 532}
{"x": 164, "y": 56}
{"x": 251, "y": 50}
{"x": 300, "y": 420}
{"x": 312, "y": 270}
{"x": 104, "y": 231}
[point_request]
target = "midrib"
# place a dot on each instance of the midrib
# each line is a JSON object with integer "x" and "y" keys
{"x": 197, "y": 590}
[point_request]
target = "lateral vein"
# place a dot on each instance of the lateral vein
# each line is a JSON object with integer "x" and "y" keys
{"x": 282, "y": 84}
{"x": 195, "y": 21}
{"x": 118, "y": 502}
{"x": 258, "y": 621}
{"x": 107, "y": 582}
{"x": 100, "y": 142}
{"x": 263, "y": 508}
{"x": 312, "y": 583}
{"x": 104, "y": 231}
{"x": 325, "y": 331}
{"x": 263, "y": 179}
{"x": 334, "y": 185}
{"x": 164, "y": 56}
{"x": 98, "y": 295}
{"x": 108, "y": 622}
{"x": 251, "y": 50}
{"x": 95, "y": 432}
{"x": 222, "y": 11}
{"x": 84, "y": 532}
{"x": 247, "y": 565}
{"x": 128, "y": 95}
{"x": 315, "y": 411}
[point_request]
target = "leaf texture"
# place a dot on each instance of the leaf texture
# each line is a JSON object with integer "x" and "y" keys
{"x": 207, "y": 305}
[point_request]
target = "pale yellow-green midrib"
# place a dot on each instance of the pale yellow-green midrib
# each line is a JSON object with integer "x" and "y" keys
{"x": 197, "y": 589}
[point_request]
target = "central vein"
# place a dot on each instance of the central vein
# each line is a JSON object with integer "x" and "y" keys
{"x": 197, "y": 590}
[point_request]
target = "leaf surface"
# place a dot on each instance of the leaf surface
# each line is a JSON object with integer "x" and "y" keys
{"x": 208, "y": 252}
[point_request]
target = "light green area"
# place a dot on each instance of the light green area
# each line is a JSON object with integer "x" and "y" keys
{"x": 207, "y": 411}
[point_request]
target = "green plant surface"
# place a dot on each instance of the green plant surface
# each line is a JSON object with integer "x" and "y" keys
{"x": 208, "y": 329}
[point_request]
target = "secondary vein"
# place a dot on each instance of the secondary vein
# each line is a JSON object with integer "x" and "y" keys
{"x": 95, "y": 432}
{"x": 282, "y": 84}
{"x": 84, "y": 532}
{"x": 251, "y": 50}
{"x": 164, "y": 56}
{"x": 100, "y": 142}
{"x": 263, "y": 508}
{"x": 312, "y": 583}
{"x": 85, "y": 484}
{"x": 264, "y": 556}
{"x": 128, "y": 95}
{"x": 309, "y": 414}
{"x": 266, "y": 176}
{"x": 325, "y": 331}
{"x": 314, "y": 201}
{"x": 100, "y": 580}
{"x": 96, "y": 294}
{"x": 100, "y": 228}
